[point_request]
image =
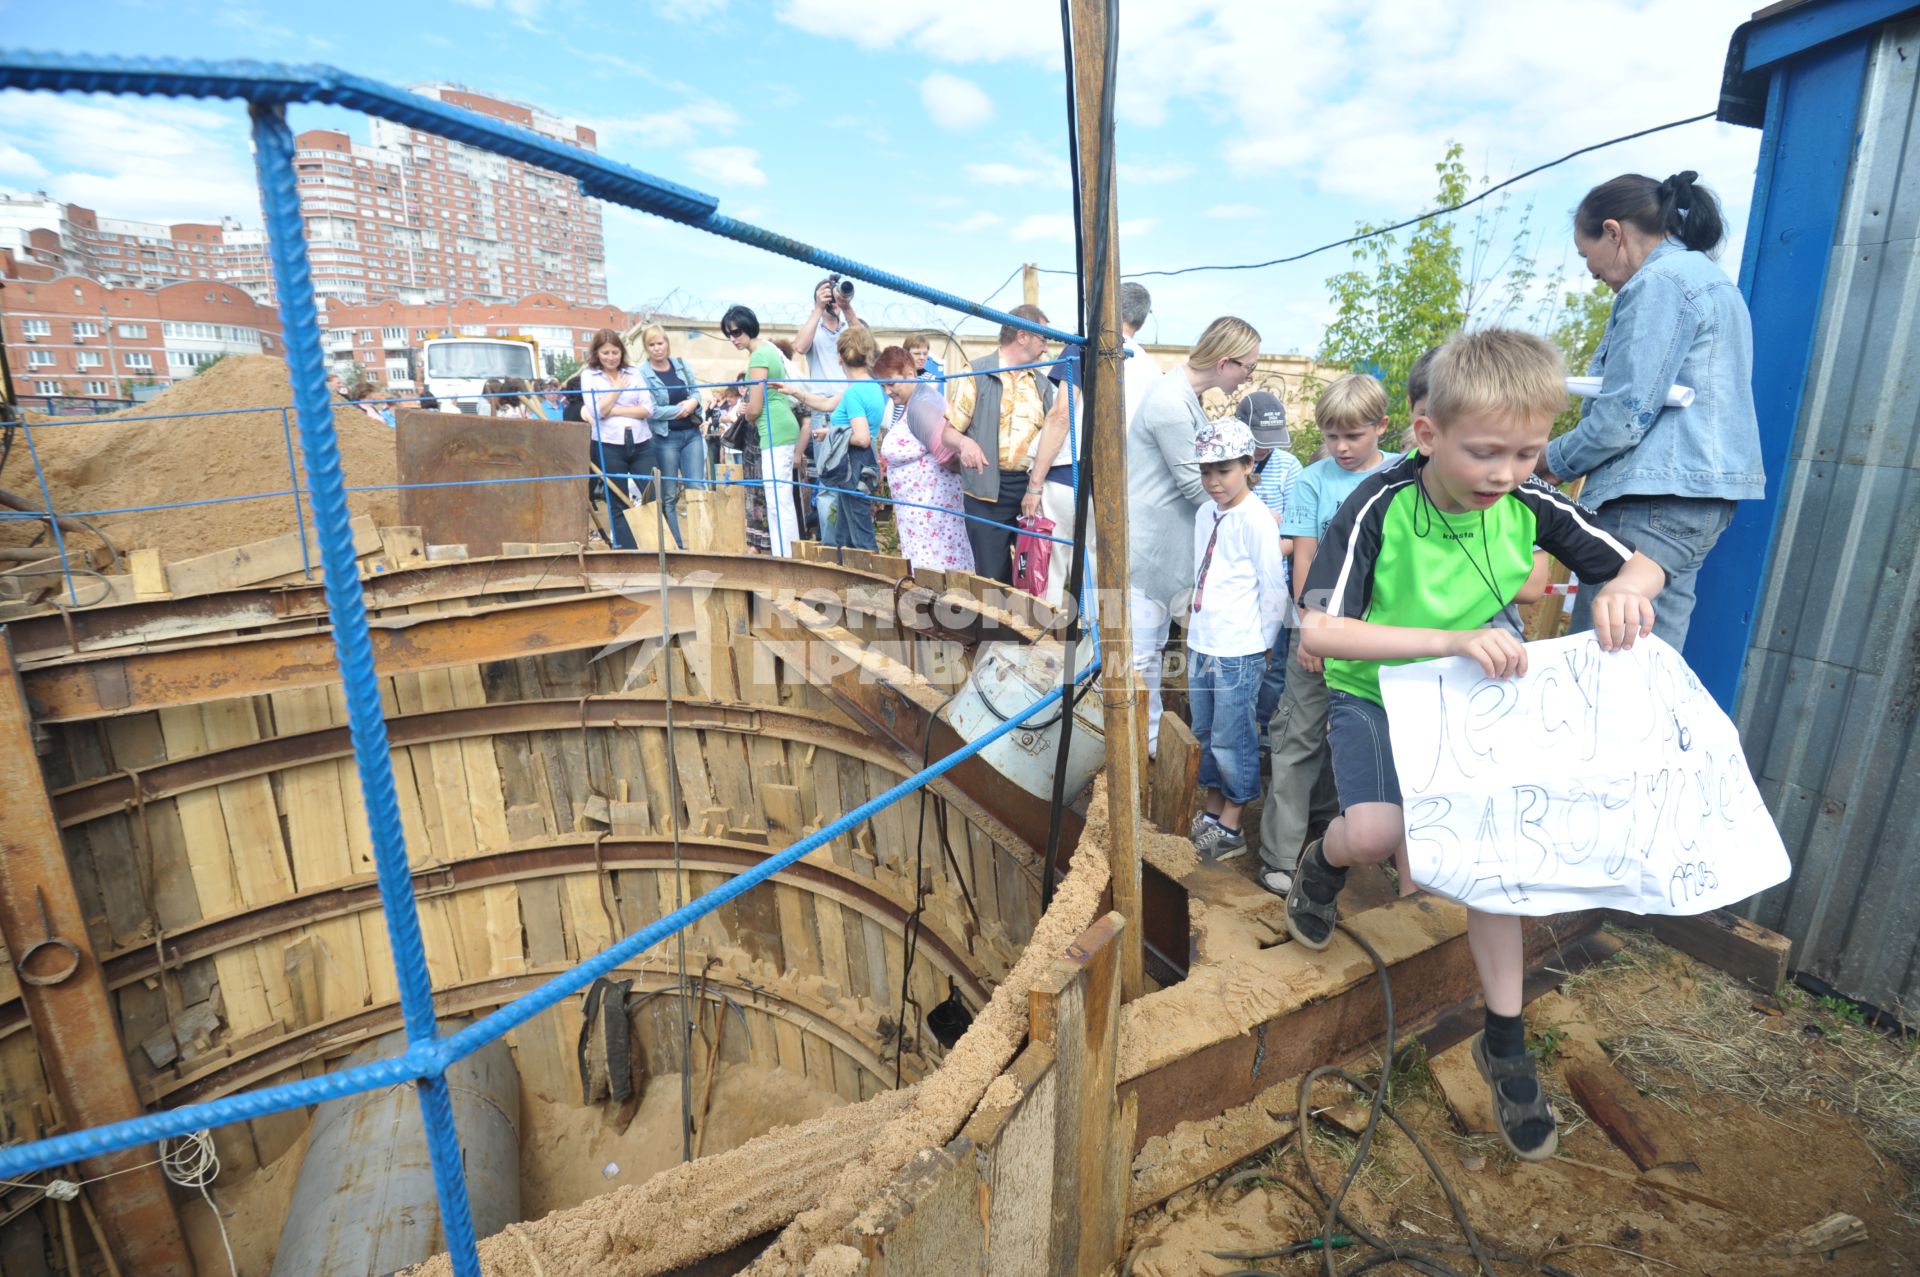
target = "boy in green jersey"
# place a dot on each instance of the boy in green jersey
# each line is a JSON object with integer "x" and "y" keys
{"x": 1421, "y": 557}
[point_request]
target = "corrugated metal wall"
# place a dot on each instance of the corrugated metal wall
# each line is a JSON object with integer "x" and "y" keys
{"x": 1832, "y": 684}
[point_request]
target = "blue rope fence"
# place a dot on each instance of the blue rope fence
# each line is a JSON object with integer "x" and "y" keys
{"x": 268, "y": 89}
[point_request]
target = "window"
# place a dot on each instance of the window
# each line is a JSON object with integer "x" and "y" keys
{"x": 393, "y": 334}
{"x": 39, "y": 359}
{"x": 46, "y": 387}
{"x": 85, "y": 328}
{"x": 86, "y": 359}
{"x": 134, "y": 331}
{"x": 140, "y": 359}
{"x": 100, "y": 388}
{"x": 36, "y": 328}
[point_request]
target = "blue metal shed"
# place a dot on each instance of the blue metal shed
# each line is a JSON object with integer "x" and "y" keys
{"x": 1809, "y": 617}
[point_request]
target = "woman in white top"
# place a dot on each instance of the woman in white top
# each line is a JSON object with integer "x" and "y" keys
{"x": 618, "y": 408}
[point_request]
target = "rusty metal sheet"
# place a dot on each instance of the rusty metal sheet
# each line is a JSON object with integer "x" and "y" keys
{"x": 451, "y": 447}
{"x": 72, "y": 1016}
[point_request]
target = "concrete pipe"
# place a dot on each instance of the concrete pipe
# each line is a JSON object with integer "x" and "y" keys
{"x": 364, "y": 1205}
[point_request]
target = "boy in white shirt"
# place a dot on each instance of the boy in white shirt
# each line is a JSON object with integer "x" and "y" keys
{"x": 1239, "y": 599}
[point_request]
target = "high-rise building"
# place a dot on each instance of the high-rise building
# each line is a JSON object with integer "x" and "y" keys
{"x": 408, "y": 216}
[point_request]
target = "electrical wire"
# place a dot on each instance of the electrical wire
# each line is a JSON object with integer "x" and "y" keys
{"x": 988, "y": 300}
{"x": 191, "y": 1161}
{"x": 910, "y": 934}
{"x": 1417, "y": 218}
{"x": 673, "y": 806}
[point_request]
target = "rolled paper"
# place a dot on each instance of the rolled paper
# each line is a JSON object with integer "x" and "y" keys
{"x": 1589, "y": 388}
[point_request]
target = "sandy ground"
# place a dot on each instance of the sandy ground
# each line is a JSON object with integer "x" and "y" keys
{"x": 1770, "y": 1168}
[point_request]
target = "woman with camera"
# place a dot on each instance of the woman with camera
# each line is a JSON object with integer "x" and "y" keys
{"x": 924, "y": 456}
{"x": 843, "y": 451}
{"x": 678, "y": 445}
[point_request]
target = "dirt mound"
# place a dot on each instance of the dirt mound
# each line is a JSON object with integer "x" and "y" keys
{"x": 156, "y": 454}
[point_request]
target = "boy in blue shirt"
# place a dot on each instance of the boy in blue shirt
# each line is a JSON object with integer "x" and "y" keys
{"x": 1418, "y": 563}
{"x": 1352, "y": 416}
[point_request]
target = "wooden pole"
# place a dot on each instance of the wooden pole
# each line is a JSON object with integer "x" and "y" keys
{"x": 1120, "y": 696}
{"x": 1030, "y": 284}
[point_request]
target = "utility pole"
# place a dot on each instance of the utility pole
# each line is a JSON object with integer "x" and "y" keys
{"x": 1030, "y": 284}
{"x": 1120, "y": 697}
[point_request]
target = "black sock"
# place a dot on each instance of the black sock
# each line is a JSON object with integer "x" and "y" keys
{"x": 1506, "y": 1036}
{"x": 1322, "y": 882}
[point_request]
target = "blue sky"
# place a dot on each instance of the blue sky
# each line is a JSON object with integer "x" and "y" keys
{"x": 930, "y": 139}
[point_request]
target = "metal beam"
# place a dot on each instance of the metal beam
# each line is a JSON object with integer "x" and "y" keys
{"x": 66, "y": 998}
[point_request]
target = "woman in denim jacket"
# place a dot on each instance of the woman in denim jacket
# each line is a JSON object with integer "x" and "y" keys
{"x": 1664, "y": 478}
{"x": 679, "y": 447}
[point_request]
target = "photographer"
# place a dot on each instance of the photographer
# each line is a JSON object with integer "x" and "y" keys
{"x": 819, "y": 333}
{"x": 844, "y": 449}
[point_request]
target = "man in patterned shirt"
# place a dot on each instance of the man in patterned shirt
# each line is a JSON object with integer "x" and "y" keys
{"x": 1003, "y": 412}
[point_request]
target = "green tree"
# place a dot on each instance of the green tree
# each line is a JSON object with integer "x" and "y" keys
{"x": 1581, "y": 323}
{"x": 562, "y": 366}
{"x": 210, "y": 363}
{"x": 1396, "y": 303}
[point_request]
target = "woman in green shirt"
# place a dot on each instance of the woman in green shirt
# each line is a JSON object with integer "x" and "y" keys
{"x": 782, "y": 441}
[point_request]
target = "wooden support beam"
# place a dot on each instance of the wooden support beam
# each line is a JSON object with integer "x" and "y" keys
{"x": 1724, "y": 941}
{"x": 66, "y": 998}
{"x": 1106, "y": 426}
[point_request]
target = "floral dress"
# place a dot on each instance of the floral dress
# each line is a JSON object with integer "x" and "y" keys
{"x": 930, "y": 538}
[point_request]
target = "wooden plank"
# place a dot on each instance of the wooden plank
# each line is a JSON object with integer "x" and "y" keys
{"x": 1617, "y": 1109}
{"x": 1724, "y": 941}
{"x": 1176, "y": 777}
{"x": 1464, "y": 1090}
{"x": 799, "y": 943}
{"x": 403, "y": 547}
{"x": 929, "y": 1220}
{"x": 1075, "y": 1008}
{"x": 259, "y": 561}
{"x": 1015, "y": 1155}
{"x": 148, "y": 573}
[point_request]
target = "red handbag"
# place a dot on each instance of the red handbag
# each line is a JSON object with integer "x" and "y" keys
{"x": 1032, "y": 554}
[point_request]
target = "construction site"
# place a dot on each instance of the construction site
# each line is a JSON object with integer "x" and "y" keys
{"x": 397, "y": 880}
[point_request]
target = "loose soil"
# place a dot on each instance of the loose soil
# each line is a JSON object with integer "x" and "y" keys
{"x": 156, "y": 454}
{"x": 1776, "y": 1166}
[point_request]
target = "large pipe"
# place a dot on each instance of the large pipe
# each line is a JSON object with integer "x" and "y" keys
{"x": 365, "y": 1203}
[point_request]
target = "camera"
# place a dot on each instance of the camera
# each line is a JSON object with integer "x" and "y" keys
{"x": 843, "y": 288}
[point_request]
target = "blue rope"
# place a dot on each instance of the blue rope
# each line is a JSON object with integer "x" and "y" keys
{"x": 286, "y": 244}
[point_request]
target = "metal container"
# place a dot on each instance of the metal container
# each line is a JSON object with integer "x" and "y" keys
{"x": 1007, "y": 678}
{"x": 365, "y": 1203}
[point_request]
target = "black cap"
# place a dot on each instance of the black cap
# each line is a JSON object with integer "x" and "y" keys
{"x": 1266, "y": 416}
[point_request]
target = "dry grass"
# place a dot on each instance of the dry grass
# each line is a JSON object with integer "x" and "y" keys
{"x": 1703, "y": 1032}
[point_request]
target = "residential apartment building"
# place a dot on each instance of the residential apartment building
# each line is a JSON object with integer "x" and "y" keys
{"x": 71, "y": 336}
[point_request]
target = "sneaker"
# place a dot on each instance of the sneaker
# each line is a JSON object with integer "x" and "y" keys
{"x": 1201, "y": 821}
{"x": 1216, "y": 842}
{"x": 1278, "y": 881}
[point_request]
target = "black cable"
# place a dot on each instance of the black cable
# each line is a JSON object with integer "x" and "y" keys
{"x": 988, "y": 300}
{"x": 1421, "y": 217}
{"x": 910, "y": 934}
{"x": 1093, "y": 306}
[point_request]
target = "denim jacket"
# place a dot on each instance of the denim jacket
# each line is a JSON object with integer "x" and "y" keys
{"x": 1678, "y": 321}
{"x": 663, "y": 411}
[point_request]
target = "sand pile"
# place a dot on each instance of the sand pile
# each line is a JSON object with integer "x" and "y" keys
{"x": 152, "y": 455}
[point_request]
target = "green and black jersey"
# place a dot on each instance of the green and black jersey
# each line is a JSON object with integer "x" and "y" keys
{"x": 1391, "y": 557}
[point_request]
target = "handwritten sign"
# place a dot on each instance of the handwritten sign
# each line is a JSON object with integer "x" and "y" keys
{"x": 1599, "y": 780}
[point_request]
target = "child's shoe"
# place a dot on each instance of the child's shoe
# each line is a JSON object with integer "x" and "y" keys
{"x": 1216, "y": 842}
{"x": 1200, "y": 822}
{"x": 1517, "y": 1118}
{"x": 1312, "y": 901}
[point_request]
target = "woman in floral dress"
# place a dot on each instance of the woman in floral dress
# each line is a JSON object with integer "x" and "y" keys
{"x": 923, "y": 456}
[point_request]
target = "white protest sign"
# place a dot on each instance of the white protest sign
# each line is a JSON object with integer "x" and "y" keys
{"x": 1598, "y": 780}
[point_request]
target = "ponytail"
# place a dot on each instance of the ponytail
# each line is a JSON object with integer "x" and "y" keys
{"x": 1676, "y": 207}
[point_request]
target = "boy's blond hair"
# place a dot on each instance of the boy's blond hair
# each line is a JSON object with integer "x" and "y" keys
{"x": 1354, "y": 400}
{"x": 1497, "y": 371}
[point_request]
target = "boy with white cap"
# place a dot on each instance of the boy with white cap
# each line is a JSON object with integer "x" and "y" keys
{"x": 1239, "y": 598}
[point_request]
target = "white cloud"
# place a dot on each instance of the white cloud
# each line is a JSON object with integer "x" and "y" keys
{"x": 526, "y": 12}
{"x": 1234, "y": 212}
{"x": 1152, "y": 174}
{"x": 1000, "y": 173}
{"x": 727, "y": 165}
{"x": 955, "y": 104}
{"x": 124, "y": 159}
{"x": 982, "y": 31}
{"x": 15, "y": 162}
{"x": 675, "y": 126}
{"x": 256, "y": 24}
{"x": 690, "y": 11}
{"x": 975, "y": 222}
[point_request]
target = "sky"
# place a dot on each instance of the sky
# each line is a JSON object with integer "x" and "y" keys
{"x": 930, "y": 139}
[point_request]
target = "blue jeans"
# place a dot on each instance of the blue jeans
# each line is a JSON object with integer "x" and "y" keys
{"x": 1222, "y": 695}
{"x": 1677, "y": 533}
{"x": 619, "y": 462}
{"x": 1272, "y": 682}
{"x": 681, "y": 455}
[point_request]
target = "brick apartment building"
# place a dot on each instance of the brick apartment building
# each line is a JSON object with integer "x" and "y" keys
{"x": 69, "y": 336}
